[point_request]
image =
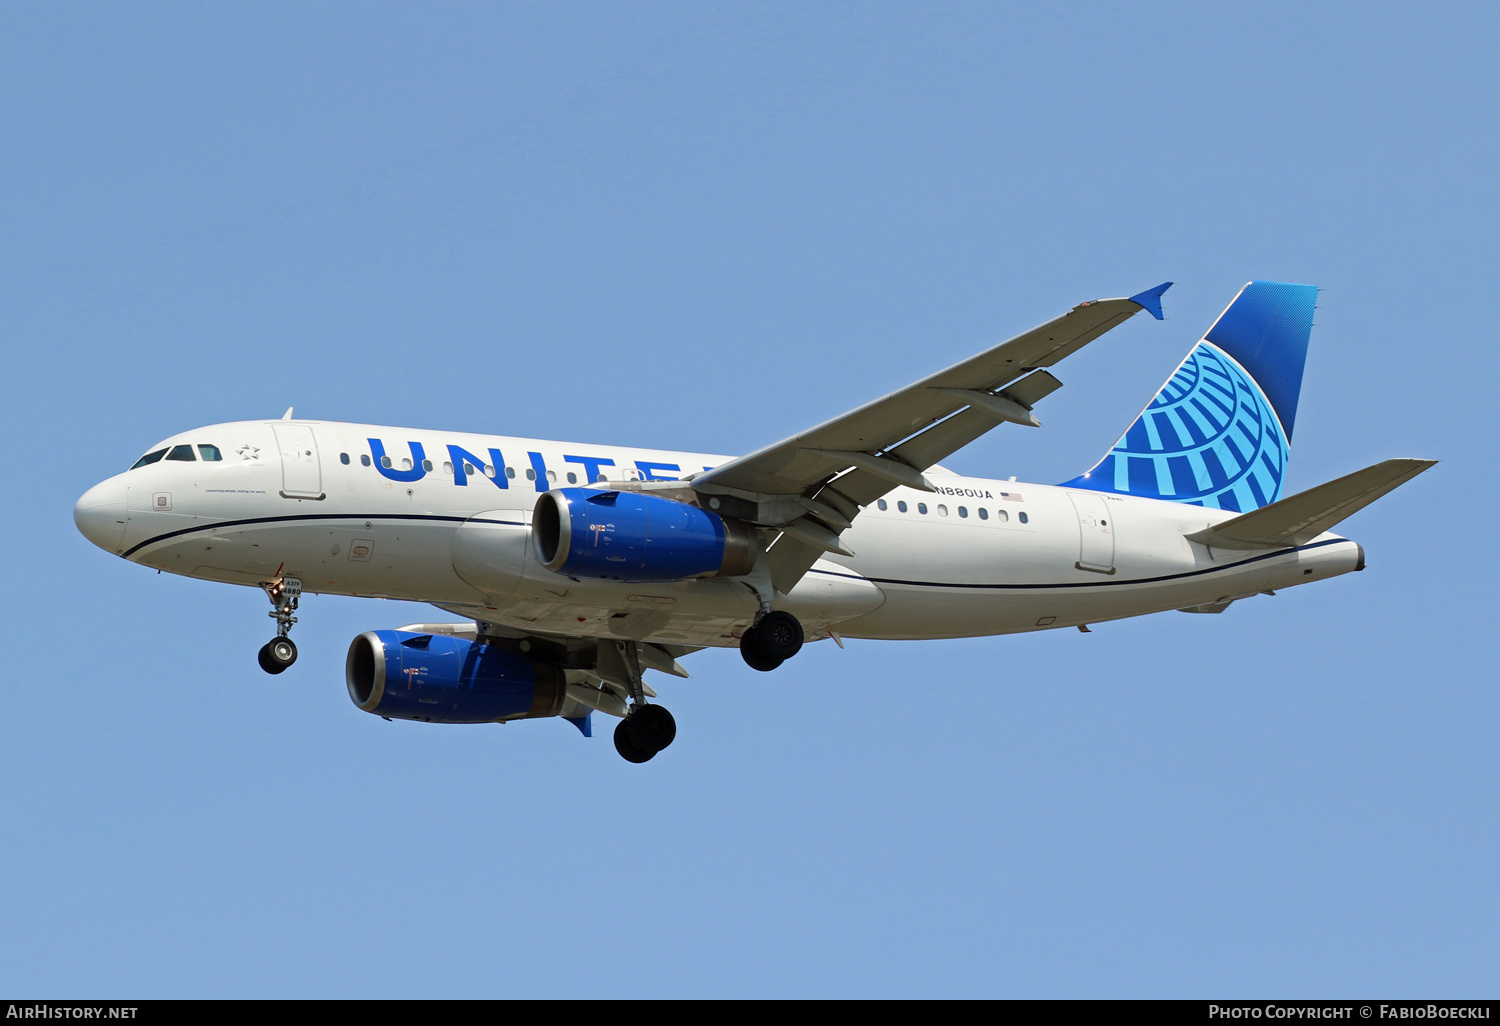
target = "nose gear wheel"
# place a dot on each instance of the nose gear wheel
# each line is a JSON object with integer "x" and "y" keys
{"x": 277, "y": 654}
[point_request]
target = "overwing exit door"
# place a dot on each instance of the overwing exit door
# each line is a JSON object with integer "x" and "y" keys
{"x": 301, "y": 475}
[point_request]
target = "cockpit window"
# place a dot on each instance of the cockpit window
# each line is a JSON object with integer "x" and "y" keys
{"x": 209, "y": 453}
{"x": 150, "y": 457}
{"x": 183, "y": 453}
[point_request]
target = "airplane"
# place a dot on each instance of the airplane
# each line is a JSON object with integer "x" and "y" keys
{"x": 576, "y": 568}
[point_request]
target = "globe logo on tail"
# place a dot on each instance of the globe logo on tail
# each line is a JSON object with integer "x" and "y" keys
{"x": 1209, "y": 438}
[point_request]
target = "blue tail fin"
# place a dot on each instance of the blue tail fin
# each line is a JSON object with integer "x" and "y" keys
{"x": 1219, "y": 431}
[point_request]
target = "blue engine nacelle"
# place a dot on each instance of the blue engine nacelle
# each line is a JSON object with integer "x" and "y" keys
{"x": 438, "y": 678}
{"x": 628, "y": 536}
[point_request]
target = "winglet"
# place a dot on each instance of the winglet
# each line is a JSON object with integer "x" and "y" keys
{"x": 1150, "y": 300}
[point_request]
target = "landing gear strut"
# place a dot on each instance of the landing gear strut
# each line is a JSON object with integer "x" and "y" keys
{"x": 279, "y": 653}
{"x": 646, "y": 729}
{"x": 775, "y": 638}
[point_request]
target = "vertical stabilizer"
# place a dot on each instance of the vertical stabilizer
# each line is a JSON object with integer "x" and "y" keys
{"x": 1219, "y": 431}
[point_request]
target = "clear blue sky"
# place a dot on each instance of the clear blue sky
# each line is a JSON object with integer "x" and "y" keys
{"x": 708, "y": 226}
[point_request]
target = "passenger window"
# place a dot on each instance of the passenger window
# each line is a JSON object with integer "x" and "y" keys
{"x": 530, "y": 474}
{"x": 510, "y": 472}
{"x": 881, "y": 504}
{"x": 385, "y": 461}
{"x": 447, "y": 467}
{"x": 406, "y": 463}
{"x": 150, "y": 457}
{"x": 921, "y": 507}
{"x": 984, "y": 514}
{"x": 427, "y": 465}
{"x": 469, "y": 469}
{"x": 1002, "y": 516}
{"x": 1023, "y": 518}
{"x": 963, "y": 511}
{"x": 599, "y": 478}
{"x": 364, "y": 459}
{"x": 489, "y": 471}
{"x": 211, "y": 454}
{"x": 343, "y": 458}
{"x": 182, "y": 453}
{"x": 552, "y": 476}
{"x": 572, "y": 478}
{"x": 942, "y": 510}
{"x": 901, "y": 505}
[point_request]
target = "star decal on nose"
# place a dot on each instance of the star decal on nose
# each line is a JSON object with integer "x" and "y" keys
{"x": 248, "y": 452}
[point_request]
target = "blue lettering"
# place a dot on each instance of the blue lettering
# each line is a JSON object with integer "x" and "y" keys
{"x": 461, "y": 477}
{"x": 416, "y": 473}
{"x": 540, "y": 467}
{"x": 648, "y": 470}
{"x": 591, "y": 465}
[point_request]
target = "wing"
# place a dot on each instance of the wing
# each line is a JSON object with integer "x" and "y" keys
{"x": 812, "y": 485}
{"x": 586, "y": 655}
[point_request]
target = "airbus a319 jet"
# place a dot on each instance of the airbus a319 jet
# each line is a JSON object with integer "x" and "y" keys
{"x": 578, "y": 567}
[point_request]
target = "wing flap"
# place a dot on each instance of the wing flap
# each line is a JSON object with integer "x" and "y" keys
{"x": 1298, "y": 519}
{"x": 1032, "y": 389}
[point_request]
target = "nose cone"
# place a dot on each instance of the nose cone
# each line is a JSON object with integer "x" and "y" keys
{"x": 100, "y": 514}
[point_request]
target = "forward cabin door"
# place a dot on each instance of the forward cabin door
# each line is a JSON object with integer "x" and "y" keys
{"x": 1096, "y": 533}
{"x": 301, "y": 475}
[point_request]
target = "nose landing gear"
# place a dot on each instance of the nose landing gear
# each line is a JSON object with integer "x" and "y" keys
{"x": 279, "y": 653}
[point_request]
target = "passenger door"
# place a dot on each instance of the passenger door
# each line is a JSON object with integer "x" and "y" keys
{"x": 1096, "y": 537}
{"x": 301, "y": 474}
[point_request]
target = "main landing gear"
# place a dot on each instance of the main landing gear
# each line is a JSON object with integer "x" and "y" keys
{"x": 279, "y": 653}
{"x": 775, "y": 637}
{"x": 646, "y": 729}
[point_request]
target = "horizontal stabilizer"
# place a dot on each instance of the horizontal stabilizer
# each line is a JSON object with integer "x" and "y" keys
{"x": 1300, "y": 518}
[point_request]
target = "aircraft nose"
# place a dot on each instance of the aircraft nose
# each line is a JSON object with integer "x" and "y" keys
{"x": 100, "y": 514}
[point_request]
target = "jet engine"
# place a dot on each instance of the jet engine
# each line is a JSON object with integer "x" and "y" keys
{"x": 630, "y": 536}
{"x": 439, "y": 678}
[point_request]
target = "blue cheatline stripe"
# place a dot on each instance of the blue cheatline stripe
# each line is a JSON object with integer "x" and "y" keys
{"x": 1091, "y": 584}
{"x": 291, "y": 518}
{"x": 421, "y": 517}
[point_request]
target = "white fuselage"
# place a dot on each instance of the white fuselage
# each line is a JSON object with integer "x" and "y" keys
{"x": 310, "y": 499}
